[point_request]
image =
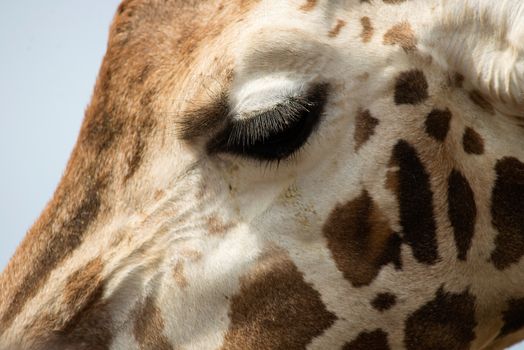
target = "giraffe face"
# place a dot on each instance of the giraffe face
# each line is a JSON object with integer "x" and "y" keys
{"x": 302, "y": 173}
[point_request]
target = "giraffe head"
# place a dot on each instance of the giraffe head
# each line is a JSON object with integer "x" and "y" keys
{"x": 262, "y": 174}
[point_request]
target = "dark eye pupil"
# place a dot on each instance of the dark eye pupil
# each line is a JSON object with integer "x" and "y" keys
{"x": 275, "y": 134}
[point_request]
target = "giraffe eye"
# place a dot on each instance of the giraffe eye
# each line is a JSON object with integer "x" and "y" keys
{"x": 276, "y": 133}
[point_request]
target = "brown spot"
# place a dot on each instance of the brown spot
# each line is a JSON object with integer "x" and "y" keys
{"x": 507, "y": 212}
{"x": 416, "y": 203}
{"x": 83, "y": 284}
{"x": 275, "y": 308}
{"x": 401, "y": 34}
{"x": 457, "y": 80}
{"x": 513, "y": 317}
{"x": 140, "y": 137}
{"x": 336, "y": 30}
{"x": 437, "y": 124}
{"x": 159, "y": 194}
{"x": 193, "y": 255}
{"x": 365, "y": 126}
{"x": 178, "y": 274}
{"x": 360, "y": 240}
{"x": 376, "y": 340}
{"x": 462, "y": 212}
{"x": 149, "y": 327}
{"x": 411, "y": 87}
{"x": 367, "y": 29}
{"x": 478, "y": 99}
{"x": 472, "y": 142}
{"x": 446, "y": 322}
{"x": 215, "y": 226}
{"x": 384, "y": 301}
{"x": 309, "y": 5}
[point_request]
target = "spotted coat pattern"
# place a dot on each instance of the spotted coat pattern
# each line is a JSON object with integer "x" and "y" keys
{"x": 367, "y": 193}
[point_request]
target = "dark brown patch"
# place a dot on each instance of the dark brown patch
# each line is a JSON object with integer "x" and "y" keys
{"x": 411, "y": 87}
{"x": 446, "y": 322}
{"x": 478, "y": 99}
{"x": 335, "y": 31}
{"x": 365, "y": 125}
{"x": 392, "y": 181}
{"x": 60, "y": 242}
{"x": 472, "y": 142}
{"x": 275, "y": 308}
{"x": 204, "y": 120}
{"x": 367, "y": 29}
{"x": 416, "y": 203}
{"x": 437, "y": 124}
{"x": 401, "y": 34}
{"x": 361, "y": 240}
{"x": 309, "y": 5}
{"x": 507, "y": 212}
{"x": 384, "y": 301}
{"x": 513, "y": 317}
{"x": 149, "y": 327}
{"x": 376, "y": 340}
{"x": 462, "y": 212}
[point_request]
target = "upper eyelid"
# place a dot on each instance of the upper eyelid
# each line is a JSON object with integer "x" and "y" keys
{"x": 255, "y": 137}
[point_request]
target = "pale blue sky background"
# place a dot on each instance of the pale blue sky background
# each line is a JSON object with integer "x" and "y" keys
{"x": 50, "y": 53}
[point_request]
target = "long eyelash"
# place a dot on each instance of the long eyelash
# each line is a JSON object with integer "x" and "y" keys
{"x": 275, "y": 134}
{"x": 249, "y": 130}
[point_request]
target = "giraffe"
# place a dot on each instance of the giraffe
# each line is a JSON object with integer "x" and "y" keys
{"x": 320, "y": 174}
